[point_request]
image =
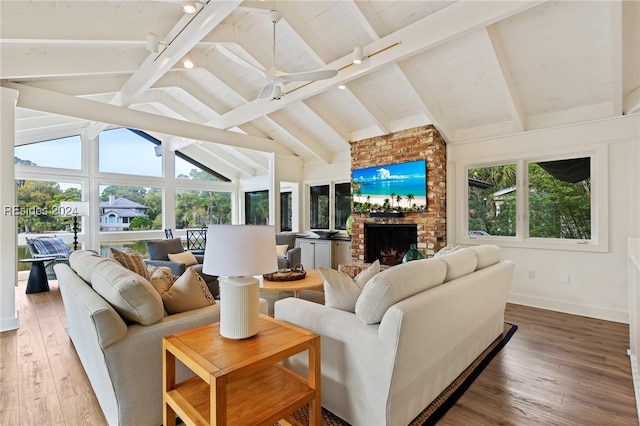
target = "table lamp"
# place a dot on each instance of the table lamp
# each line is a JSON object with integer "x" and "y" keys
{"x": 236, "y": 253}
{"x": 75, "y": 209}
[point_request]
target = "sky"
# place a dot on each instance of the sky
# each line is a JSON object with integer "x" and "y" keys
{"x": 121, "y": 152}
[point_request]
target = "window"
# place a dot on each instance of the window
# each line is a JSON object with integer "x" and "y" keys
{"x": 256, "y": 207}
{"x": 560, "y": 199}
{"x": 199, "y": 208}
{"x": 124, "y": 151}
{"x": 37, "y": 203}
{"x": 492, "y": 200}
{"x": 319, "y": 207}
{"x": 130, "y": 208}
{"x": 65, "y": 153}
{"x": 187, "y": 168}
{"x": 343, "y": 204}
{"x": 539, "y": 201}
{"x": 286, "y": 211}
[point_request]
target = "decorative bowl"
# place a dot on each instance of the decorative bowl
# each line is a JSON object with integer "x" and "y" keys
{"x": 281, "y": 273}
{"x": 325, "y": 235}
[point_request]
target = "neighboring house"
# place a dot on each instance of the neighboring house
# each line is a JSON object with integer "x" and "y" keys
{"x": 117, "y": 214}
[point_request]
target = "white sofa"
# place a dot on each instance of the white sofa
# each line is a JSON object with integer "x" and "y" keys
{"x": 122, "y": 358}
{"x": 415, "y": 328}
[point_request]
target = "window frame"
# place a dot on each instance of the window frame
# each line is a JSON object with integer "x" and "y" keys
{"x": 599, "y": 202}
{"x": 332, "y": 202}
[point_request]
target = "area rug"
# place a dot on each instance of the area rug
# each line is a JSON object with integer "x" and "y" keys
{"x": 430, "y": 415}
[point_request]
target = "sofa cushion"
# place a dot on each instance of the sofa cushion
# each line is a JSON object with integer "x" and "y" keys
{"x": 84, "y": 261}
{"x": 460, "y": 262}
{"x": 395, "y": 284}
{"x": 188, "y": 292}
{"x": 131, "y": 260}
{"x": 185, "y": 257}
{"x": 131, "y": 295}
{"x": 487, "y": 255}
{"x": 341, "y": 291}
{"x": 159, "y": 250}
{"x": 288, "y": 238}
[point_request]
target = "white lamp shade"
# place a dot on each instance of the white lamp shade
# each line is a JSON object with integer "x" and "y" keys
{"x": 74, "y": 208}
{"x": 240, "y": 250}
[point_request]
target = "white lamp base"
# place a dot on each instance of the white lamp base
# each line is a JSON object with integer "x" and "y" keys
{"x": 239, "y": 307}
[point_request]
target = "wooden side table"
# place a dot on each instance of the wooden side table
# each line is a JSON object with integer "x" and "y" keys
{"x": 240, "y": 382}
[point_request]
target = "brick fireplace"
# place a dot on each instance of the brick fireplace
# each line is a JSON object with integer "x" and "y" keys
{"x": 420, "y": 143}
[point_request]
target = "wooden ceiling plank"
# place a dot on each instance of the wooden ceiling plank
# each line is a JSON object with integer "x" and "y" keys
{"x": 153, "y": 68}
{"x": 417, "y": 37}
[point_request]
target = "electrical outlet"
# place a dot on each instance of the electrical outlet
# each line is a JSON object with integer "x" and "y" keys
{"x": 532, "y": 274}
{"x": 565, "y": 278}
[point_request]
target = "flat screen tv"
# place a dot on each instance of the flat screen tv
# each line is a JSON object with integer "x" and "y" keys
{"x": 405, "y": 180}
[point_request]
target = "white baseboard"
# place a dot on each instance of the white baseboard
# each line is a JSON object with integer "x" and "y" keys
{"x": 571, "y": 308}
{"x": 8, "y": 324}
{"x": 636, "y": 381}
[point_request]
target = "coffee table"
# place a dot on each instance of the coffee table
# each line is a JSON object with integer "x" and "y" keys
{"x": 312, "y": 280}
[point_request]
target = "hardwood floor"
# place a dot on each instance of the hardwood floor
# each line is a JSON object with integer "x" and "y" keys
{"x": 558, "y": 369}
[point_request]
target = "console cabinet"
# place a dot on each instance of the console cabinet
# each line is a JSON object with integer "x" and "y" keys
{"x": 328, "y": 253}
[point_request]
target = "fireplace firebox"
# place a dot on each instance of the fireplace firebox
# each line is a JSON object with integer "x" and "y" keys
{"x": 388, "y": 243}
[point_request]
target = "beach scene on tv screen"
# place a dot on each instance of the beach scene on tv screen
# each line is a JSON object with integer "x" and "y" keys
{"x": 405, "y": 180}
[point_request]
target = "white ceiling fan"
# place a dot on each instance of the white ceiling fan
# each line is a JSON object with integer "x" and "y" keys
{"x": 276, "y": 79}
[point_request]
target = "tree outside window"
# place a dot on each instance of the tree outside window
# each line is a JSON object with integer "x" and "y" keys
{"x": 199, "y": 208}
{"x": 558, "y": 199}
{"x": 343, "y": 204}
{"x": 319, "y": 207}
{"x": 256, "y": 207}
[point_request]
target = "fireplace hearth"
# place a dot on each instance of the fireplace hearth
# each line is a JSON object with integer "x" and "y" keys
{"x": 389, "y": 242}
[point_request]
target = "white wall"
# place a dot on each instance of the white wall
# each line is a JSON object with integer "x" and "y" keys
{"x": 598, "y": 284}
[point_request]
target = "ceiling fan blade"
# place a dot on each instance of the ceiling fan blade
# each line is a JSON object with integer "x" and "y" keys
{"x": 309, "y": 76}
{"x": 238, "y": 60}
{"x": 266, "y": 91}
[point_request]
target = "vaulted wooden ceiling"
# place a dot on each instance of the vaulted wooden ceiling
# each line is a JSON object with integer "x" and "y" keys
{"x": 474, "y": 69}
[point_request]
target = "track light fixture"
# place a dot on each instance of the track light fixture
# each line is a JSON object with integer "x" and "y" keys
{"x": 188, "y": 64}
{"x": 358, "y": 55}
{"x": 276, "y": 95}
{"x": 153, "y": 43}
{"x": 189, "y": 7}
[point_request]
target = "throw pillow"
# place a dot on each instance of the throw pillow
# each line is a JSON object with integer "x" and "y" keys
{"x": 52, "y": 246}
{"x": 281, "y": 249}
{"x": 185, "y": 257}
{"x": 160, "y": 279}
{"x": 446, "y": 250}
{"x": 187, "y": 293}
{"x": 395, "y": 284}
{"x": 131, "y": 295}
{"x": 131, "y": 260}
{"x": 366, "y": 274}
{"x": 341, "y": 291}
